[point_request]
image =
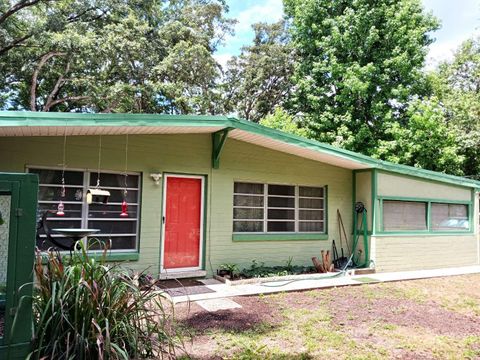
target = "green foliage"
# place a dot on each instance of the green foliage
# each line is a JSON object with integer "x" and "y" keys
{"x": 350, "y": 70}
{"x": 258, "y": 80}
{"x": 259, "y": 270}
{"x": 360, "y": 62}
{"x": 86, "y": 309}
{"x": 283, "y": 121}
{"x": 230, "y": 267}
{"x": 457, "y": 85}
{"x": 424, "y": 141}
{"x": 115, "y": 56}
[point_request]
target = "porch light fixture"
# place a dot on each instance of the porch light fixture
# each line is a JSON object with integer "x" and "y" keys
{"x": 156, "y": 177}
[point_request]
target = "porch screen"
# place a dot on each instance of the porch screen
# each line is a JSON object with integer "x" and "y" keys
{"x": 122, "y": 231}
{"x": 273, "y": 208}
{"x": 449, "y": 216}
{"x": 404, "y": 215}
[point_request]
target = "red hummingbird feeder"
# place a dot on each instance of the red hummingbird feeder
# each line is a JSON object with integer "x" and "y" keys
{"x": 60, "y": 209}
{"x": 124, "y": 212}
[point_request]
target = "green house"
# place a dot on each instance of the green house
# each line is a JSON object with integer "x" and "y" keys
{"x": 201, "y": 191}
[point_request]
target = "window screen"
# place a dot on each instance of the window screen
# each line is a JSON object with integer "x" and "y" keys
{"x": 449, "y": 216}
{"x": 78, "y": 214}
{"x": 281, "y": 208}
{"x": 248, "y": 207}
{"x": 311, "y": 211}
{"x": 278, "y": 208}
{"x": 404, "y": 215}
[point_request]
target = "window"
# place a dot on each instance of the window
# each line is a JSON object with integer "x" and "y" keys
{"x": 404, "y": 215}
{"x": 281, "y": 208}
{"x": 260, "y": 208}
{"x": 449, "y": 216}
{"x": 400, "y": 215}
{"x": 123, "y": 231}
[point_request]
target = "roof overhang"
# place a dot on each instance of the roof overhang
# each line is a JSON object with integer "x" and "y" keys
{"x": 23, "y": 124}
{"x": 103, "y": 130}
{"x": 289, "y": 148}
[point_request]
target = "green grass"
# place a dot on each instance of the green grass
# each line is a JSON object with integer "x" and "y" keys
{"x": 306, "y": 327}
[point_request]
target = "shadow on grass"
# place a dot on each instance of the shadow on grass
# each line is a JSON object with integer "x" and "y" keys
{"x": 226, "y": 320}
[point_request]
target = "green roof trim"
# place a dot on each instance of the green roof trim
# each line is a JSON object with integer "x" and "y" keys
{"x": 28, "y": 119}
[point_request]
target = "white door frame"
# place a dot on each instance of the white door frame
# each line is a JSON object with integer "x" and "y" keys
{"x": 164, "y": 209}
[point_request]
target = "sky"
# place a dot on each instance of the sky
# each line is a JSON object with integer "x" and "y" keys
{"x": 460, "y": 20}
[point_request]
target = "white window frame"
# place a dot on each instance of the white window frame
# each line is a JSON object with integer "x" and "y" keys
{"x": 87, "y": 173}
{"x": 296, "y": 209}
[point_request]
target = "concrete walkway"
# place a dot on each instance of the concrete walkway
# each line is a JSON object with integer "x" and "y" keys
{"x": 217, "y": 289}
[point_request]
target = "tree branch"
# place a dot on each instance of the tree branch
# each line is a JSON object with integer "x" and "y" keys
{"x": 14, "y": 43}
{"x": 68, "y": 98}
{"x": 33, "y": 86}
{"x": 17, "y": 7}
{"x": 60, "y": 81}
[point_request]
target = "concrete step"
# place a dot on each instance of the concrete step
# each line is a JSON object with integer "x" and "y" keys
{"x": 182, "y": 274}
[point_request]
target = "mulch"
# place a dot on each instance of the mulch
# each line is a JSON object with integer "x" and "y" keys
{"x": 254, "y": 312}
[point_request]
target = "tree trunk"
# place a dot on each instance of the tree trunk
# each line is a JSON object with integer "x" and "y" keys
{"x": 33, "y": 86}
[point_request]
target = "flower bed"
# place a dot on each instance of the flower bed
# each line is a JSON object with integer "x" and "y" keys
{"x": 258, "y": 272}
{"x": 258, "y": 280}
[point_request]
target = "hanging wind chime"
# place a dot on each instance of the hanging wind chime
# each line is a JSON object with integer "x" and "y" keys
{"x": 97, "y": 195}
{"x": 124, "y": 212}
{"x": 61, "y": 206}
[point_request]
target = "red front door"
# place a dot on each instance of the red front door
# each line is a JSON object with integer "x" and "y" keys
{"x": 182, "y": 222}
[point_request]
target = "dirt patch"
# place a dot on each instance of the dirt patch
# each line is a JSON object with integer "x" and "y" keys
{"x": 403, "y": 312}
{"x": 399, "y": 320}
{"x": 254, "y": 312}
{"x": 355, "y": 306}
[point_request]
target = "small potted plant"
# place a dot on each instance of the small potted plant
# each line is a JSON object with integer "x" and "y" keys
{"x": 227, "y": 270}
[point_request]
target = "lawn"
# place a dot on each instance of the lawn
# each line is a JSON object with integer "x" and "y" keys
{"x": 421, "y": 319}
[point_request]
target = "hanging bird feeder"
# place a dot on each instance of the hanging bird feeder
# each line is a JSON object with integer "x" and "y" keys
{"x": 60, "y": 209}
{"x": 61, "y": 206}
{"x": 96, "y": 195}
{"x": 124, "y": 212}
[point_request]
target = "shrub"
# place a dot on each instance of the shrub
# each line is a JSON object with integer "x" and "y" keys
{"x": 259, "y": 270}
{"x": 231, "y": 268}
{"x": 86, "y": 309}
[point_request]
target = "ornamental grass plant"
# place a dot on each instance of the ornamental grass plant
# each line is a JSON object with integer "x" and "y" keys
{"x": 85, "y": 308}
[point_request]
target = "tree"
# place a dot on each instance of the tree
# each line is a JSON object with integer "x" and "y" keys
{"x": 359, "y": 64}
{"x": 281, "y": 120}
{"x": 456, "y": 83}
{"x": 14, "y": 30}
{"x": 259, "y": 79}
{"x": 112, "y": 55}
{"x": 425, "y": 141}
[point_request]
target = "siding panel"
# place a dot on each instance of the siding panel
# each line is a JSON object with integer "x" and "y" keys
{"x": 191, "y": 153}
{"x": 428, "y": 252}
